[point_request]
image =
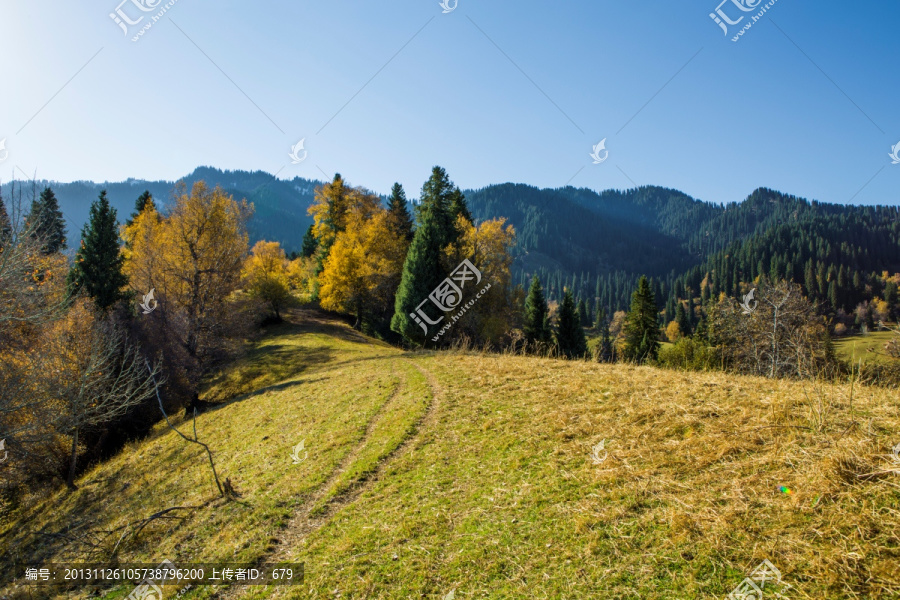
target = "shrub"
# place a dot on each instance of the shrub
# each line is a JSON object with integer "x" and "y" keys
{"x": 688, "y": 354}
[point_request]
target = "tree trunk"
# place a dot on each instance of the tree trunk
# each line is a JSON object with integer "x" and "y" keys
{"x": 70, "y": 481}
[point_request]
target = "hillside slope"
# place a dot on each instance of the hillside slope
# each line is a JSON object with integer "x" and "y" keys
{"x": 429, "y": 472}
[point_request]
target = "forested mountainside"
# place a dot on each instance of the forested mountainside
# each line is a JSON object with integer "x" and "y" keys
{"x": 598, "y": 244}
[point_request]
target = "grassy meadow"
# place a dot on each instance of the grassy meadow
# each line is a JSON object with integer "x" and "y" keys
{"x": 868, "y": 348}
{"x": 431, "y": 473}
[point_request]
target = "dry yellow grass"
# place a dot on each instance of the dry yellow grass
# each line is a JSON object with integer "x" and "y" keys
{"x": 434, "y": 472}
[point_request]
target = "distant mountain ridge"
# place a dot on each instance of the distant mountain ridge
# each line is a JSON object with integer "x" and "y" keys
{"x": 280, "y": 204}
{"x": 595, "y": 244}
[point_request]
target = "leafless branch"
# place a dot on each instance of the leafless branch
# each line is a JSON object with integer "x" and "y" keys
{"x": 193, "y": 441}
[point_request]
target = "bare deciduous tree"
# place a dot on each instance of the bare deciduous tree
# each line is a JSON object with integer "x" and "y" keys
{"x": 94, "y": 374}
{"x": 778, "y": 335}
{"x": 32, "y": 294}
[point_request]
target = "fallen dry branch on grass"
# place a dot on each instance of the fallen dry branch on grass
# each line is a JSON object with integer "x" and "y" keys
{"x": 196, "y": 440}
{"x": 162, "y": 514}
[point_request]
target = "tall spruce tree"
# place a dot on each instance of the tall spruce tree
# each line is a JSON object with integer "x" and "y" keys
{"x": 422, "y": 270}
{"x": 46, "y": 222}
{"x": 570, "y": 335}
{"x": 536, "y": 326}
{"x": 641, "y": 329}
{"x": 421, "y": 274}
{"x": 399, "y": 210}
{"x": 98, "y": 262}
{"x": 437, "y": 194}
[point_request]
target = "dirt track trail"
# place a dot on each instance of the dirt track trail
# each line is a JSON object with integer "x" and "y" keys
{"x": 316, "y": 511}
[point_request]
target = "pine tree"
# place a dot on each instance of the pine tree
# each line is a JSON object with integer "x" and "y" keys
{"x": 607, "y": 350}
{"x": 670, "y": 309}
{"x": 458, "y": 206}
{"x": 601, "y": 317}
{"x": 570, "y": 337}
{"x": 583, "y": 315}
{"x": 398, "y": 207}
{"x": 309, "y": 243}
{"x": 641, "y": 331}
{"x": 139, "y": 205}
{"x": 809, "y": 279}
{"x": 422, "y": 271}
{"x": 5, "y": 223}
{"x": 536, "y": 326}
{"x": 98, "y": 262}
{"x": 437, "y": 194}
{"x": 682, "y": 319}
{"x": 890, "y": 293}
{"x": 46, "y": 222}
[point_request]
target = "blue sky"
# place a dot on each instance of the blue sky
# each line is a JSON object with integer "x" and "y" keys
{"x": 806, "y": 102}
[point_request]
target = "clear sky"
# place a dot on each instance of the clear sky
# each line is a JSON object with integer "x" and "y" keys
{"x": 806, "y": 102}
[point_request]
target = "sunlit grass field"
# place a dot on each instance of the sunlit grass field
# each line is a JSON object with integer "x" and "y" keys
{"x": 430, "y": 473}
{"x": 867, "y": 347}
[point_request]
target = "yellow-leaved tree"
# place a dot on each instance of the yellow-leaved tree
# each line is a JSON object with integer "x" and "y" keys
{"x": 335, "y": 203}
{"x": 192, "y": 258}
{"x": 362, "y": 270}
{"x": 266, "y": 276}
{"x": 360, "y": 253}
{"x": 301, "y": 274}
{"x": 490, "y": 245}
{"x": 673, "y": 331}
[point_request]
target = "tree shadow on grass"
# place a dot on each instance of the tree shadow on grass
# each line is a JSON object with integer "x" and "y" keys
{"x": 332, "y": 324}
{"x": 264, "y": 367}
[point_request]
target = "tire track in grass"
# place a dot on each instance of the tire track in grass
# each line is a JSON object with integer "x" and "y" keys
{"x": 321, "y": 506}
